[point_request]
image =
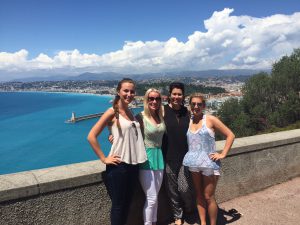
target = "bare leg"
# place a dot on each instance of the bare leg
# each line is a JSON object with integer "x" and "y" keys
{"x": 201, "y": 203}
{"x": 210, "y": 183}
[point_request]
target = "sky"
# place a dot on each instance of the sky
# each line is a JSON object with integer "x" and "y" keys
{"x": 70, "y": 37}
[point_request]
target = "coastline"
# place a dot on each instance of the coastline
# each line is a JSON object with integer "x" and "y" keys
{"x": 60, "y": 92}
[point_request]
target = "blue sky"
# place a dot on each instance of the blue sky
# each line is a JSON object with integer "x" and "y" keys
{"x": 134, "y": 36}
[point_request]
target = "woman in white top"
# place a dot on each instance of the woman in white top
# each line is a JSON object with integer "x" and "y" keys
{"x": 126, "y": 153}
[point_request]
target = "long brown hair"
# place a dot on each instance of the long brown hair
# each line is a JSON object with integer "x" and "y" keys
{"x": 117, "y": 98}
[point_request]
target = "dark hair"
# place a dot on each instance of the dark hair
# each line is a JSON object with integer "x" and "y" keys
{"x": 117, "y": 97}
{"x": 177, "y": 85}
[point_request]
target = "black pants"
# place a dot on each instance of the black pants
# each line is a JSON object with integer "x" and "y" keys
{"x": 179, "y": 188}
{"x": 120, "y": 182}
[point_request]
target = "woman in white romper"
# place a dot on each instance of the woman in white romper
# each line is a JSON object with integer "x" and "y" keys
{"x": 202, "y": 159}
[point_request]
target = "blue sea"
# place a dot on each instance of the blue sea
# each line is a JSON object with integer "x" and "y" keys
{"x": 34, "y": 135}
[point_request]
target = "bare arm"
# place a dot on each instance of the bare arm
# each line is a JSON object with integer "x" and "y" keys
{"x": 105, "y": 119}
{"x": 222, "y": 128}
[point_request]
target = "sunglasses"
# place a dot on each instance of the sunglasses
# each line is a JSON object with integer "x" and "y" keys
{"x": 151, "y": 99}
{"x": 135, "y": 130}
{"x": 199, "y": 104}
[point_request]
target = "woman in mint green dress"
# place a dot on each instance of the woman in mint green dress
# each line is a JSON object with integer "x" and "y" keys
{"x": 151, "y": 171}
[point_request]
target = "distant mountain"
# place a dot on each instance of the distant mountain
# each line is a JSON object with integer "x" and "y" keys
{"x": 117, "y": 76}
{"x": 83, "y": 76}
{"x": 199, "y": 74}
{"x": 99, "y": 76}
{"x": 50, "y": 78}
{"x": 220, "y": 73}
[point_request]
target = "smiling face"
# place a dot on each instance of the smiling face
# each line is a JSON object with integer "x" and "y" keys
{"x": 176, "y": 97}
{"x": 154, "y": 101}
{"x": 127, "y": 92}
{"x": 197, "y": 105}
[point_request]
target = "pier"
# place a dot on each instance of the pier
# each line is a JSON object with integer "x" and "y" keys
{"x": 75, "y": 119}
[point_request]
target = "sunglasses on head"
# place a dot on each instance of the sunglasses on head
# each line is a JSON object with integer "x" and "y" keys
{"x": 199, "y": 104}
{"x": 151, "y": 99}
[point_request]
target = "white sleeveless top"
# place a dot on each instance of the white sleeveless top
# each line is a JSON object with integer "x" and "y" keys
{"x": 128, "y": 142}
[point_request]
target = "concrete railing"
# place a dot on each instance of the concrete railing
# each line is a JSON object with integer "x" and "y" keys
{"x": 75, "y": 194}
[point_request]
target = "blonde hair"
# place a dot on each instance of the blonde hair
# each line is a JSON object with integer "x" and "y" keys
{"x": 146, "y": 101}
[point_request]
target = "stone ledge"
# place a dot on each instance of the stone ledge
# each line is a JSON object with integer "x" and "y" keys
{"x": 263, "y": 141}
{"x": 34, "y": 182}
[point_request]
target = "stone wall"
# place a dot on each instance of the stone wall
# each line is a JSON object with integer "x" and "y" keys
{"x": 75, "y": 194}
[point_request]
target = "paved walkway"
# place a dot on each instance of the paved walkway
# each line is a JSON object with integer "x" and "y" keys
{"x": 279, "y": 204}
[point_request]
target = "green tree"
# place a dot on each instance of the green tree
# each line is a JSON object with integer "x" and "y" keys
{"x": 258, "y": 100}
{"x": 286, "y": 86}
{"x": 269, "y": 101}
{"x": 242, "y": 125}
{"x": 229, "y": 111}
{"x": 286, "y": 74}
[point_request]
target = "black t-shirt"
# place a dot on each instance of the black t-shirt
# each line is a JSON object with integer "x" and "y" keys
{"x": 175, "y": 141}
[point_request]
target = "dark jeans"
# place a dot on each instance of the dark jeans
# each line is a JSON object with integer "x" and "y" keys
{"x": 120, "y": 182}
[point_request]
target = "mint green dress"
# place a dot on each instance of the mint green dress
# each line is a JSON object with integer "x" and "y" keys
{"x": 153, "y": 139}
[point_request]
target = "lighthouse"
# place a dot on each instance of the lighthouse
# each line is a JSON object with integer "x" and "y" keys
{"x": 73, "y": 119}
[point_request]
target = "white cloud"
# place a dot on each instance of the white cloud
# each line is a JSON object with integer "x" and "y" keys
{"x": 229, "y": 42}
{"x": 12, "y": 61}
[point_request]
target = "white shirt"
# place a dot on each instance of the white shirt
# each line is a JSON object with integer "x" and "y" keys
{"x": 128, "y": 142}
